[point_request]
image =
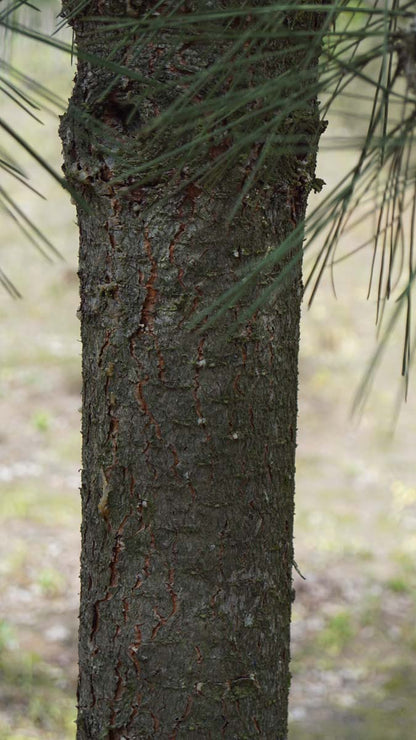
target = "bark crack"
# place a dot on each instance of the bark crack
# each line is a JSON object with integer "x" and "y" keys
{"x": 172, "y": 246}
{"x": 150, "y": 301}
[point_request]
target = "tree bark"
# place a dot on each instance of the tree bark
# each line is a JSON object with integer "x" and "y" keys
{"x": 188, "y": 437}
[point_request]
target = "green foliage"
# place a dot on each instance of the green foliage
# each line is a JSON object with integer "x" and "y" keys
{"x": 7, "y": 636}
{"x": 366, "y": 52}
{"x": 30, "y": 501}
{"x": 337, "y": 633}
{"x": 41, "y": 421}
{"x": 399, "y": 585}
{"x": 37, "y": 694}
{"x": 50, "y": 581}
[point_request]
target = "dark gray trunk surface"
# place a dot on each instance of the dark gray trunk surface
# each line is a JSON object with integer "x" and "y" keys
{"x": 188, "y": 443}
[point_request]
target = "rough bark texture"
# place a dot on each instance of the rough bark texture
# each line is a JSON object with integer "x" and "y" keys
{"x": 188, "y": 443}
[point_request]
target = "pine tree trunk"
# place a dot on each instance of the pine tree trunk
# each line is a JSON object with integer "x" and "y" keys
{"x": 188, "y": 438}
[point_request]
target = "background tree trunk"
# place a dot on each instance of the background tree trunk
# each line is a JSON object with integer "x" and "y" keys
{"x": 188, "y": 438}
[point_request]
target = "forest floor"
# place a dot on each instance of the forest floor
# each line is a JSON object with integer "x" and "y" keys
{"x": 354, "y": 633}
